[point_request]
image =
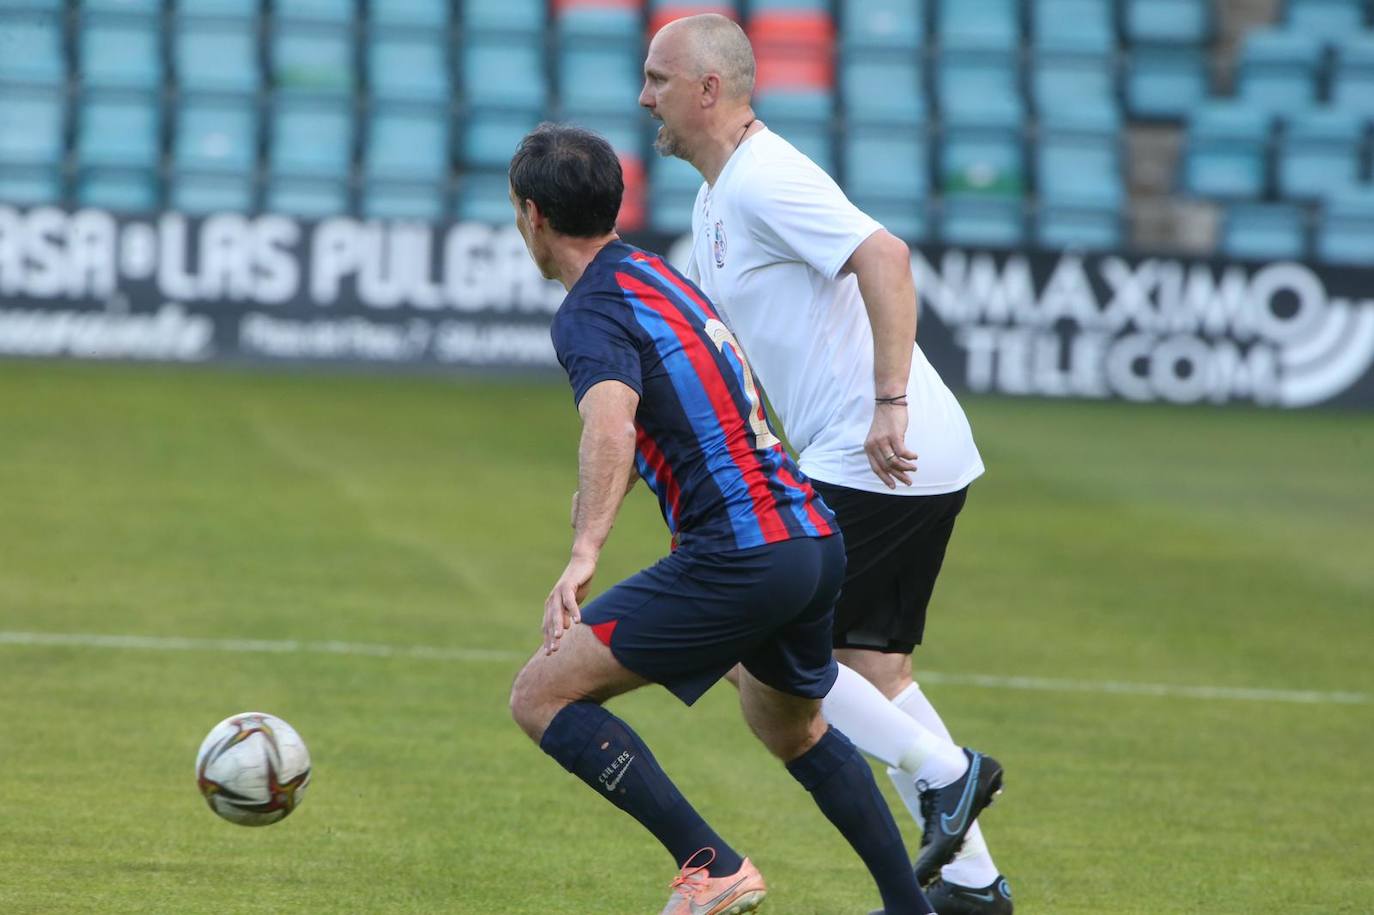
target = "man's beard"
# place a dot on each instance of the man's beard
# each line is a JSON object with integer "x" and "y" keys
{"x": 665, "y": 144}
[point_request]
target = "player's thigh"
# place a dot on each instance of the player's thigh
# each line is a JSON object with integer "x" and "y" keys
{"x": 582, "y": 669}
{"x": 787, "y": 724}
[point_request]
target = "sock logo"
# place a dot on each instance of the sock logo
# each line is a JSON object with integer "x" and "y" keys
{"x": 612, "y": 774}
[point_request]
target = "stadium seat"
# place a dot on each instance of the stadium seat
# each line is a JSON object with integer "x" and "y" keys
{"x": 1079, "y": 26}
{"x": 409, "y": 68}
{"x": 903, "y": 218}
{"x": 313, "y": 139}
{"x": 215, "y": 56}
{"x": 1328, "y": 19}
{"x": 141, "y": 8}
{"x": 800, "y": 105}
{"x": 387, "y": 200}
{"x": 1180, "y": 22}
{"x": 887, "y": 164}
{"x": 662, "y": 12}
{"x": 1320, "y": 153}
{"x": 504, "y": 72}
{"x": 219, "y": 9}
{"x": 197, "y": 194}
{"x": 980, "y": 90}
{"x": 33, "y": 52}
{"x": 1278, "y": 70}
{"x": 1078, "y": 168}
{"x": 979, "y": 25}
{"x": 1346, "y": 230}
{"x": 524, "y": 16}
{"x": 408, "y": 145}
{"x": 31, "y": 185}
{"x": 883, "y": 88}
{"x": 976, "y": 161}
{"x": 599, "y": 22}
{"x": 216, "y": 135}
{"x": 334, "y": 12}
{"x": 120, "y": 191}
{"x": 1063, "y": 81}
{"x": 485, "y": 197}
{"x": 31, "y": 127}
{"x": 811, "y": 139}
{"x": 119, "y": 132}
{"x": 1166, "y": 83}
{"x": 304, "y": 197}
{"x": 120, "y": 54}
{"x": 595, "y": 79}
{"x": 1264, "y": 231}
{"x": 1081, "y": 227}
{"x": 883, "y": 25}
{"x": 491, "y": 137}
{"x": 410, "y": 14}
{"x": 673, "y": 186}
{"x": 313, "y": 61}
{"x": 1226, "y": 151}
{"x": 625, "y": 133}
{"x": 979, "y": 220}
{"x": 1352, "y": 84}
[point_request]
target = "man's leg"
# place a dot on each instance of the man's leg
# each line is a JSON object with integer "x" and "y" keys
{"x": 834, "y": 772}
{"x": 556, "y": 701}
{"x": 891, "y": 673}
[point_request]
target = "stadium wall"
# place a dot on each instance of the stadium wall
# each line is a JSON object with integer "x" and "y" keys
{"x": 274, "y": 289}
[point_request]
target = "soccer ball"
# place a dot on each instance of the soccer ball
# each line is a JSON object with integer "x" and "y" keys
{"x": 253, "y": 769}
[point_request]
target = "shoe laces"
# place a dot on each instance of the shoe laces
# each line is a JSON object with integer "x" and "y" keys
{"x": 692, "y": 878}
{"x": 928, "y": 809}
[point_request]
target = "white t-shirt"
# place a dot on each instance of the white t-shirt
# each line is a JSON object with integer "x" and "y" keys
{"x": 769, "y": 242}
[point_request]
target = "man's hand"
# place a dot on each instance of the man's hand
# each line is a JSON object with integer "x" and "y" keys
{"x": 888, "y": 454}
{"x": 563, "y": 608}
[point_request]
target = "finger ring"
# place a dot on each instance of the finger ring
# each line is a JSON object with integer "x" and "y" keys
{"x": 890, "y": 457}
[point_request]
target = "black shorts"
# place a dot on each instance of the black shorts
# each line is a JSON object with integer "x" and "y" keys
{"x": 895, "y": 546}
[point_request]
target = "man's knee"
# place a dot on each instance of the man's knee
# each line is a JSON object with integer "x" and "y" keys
{"x": 531, "y": 705}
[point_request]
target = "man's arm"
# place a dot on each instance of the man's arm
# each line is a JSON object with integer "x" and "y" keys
{"x": 605, "y": 461}
{"x": 882, "y": 264}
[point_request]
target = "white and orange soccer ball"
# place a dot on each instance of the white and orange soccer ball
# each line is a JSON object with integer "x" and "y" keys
{"x": 253, "y": 769}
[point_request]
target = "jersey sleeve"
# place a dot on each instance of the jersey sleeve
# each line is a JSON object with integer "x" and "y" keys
{"x": 797, "y": 212}
{"x": 594, "y": 344}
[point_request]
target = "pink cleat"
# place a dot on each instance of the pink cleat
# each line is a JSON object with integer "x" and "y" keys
{"x": 696, "y": 892}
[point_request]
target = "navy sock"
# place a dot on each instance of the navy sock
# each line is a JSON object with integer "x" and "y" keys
{"x": 600, "y": 749}
{"x": 842, "y": 784}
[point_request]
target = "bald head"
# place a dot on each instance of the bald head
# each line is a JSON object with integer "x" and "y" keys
{"x": 711, "y": 43}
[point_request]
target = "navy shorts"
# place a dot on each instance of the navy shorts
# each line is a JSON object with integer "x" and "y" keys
{"x": 685, "y": 621}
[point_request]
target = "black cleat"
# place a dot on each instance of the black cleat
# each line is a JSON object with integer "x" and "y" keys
{"x": 953, "y": 899}
{"x": 950, "y": 811}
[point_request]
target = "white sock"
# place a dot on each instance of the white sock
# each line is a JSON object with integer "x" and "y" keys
{"x": 860, "y": 711}
{"x": 973, "y": 865}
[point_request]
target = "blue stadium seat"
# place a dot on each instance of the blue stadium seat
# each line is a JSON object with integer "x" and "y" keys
{"x": 120, "y": 54}
{"x": 485, "y": 197}
{"x": 313, "y": 139}
{"x": 1278, "y": 69}
{"x": 120, "y": 191}
{"x": 1169, "y": 21}
{"x": 979, "y": 25}
{"x": 409, "y": 68}
{"x": 880, "y": 88}
{"x": 216, "y": 135}
{"x": 1081, "y": 26}
{"x": 1320, "y": 153}
{"x": 1352, "y": 83}
{"x": 1264, "y": 231}
{"x": 1326, "y": 18}
{"x": 883, "y": 25}
{"x": 979, "y": 220}
{"x": 388, "y": 200}
{"x": 408, "y": 145}
{"x": 625, "y": 133}
{"x": 504, "y": 72}
{"x": 213, "y": 56}
{"x": 1346, "y": 229}
{"x": 491, "y": 137}
{"x": 811, "y": 139}
{"x": 31, "y": 127}
{"x": 903, "y": 218}
{"x": 803, "y": 105}
{"x": 336, "y": 12}
{"x": 420, "y": 14}
{"x": 31, "y": 185}
{"x": 218, "y": 9}
{"x": 1065, "y": 81}
{"x": 33, "y": 50}
{"x": 1166, "y": 82}
{"x": 1081, "y": 227}
{"x": 982, "y": 161}
{"x": 814, "y": 6}
{"x": 304, "y": 197}
{"x": 142, "y": 8}
{"x": 599, "y": 79}
{"x": 527, "y": 16}
{"x": 600, "y": 23}
{"x": 1226, "y": 152}
{"x": 311, "y": 60}
{"x": 673, "y": 186}
{"x": 197, "y": 194}
{"x": 980, "y": 90}
{"x": 1076, "y": 168}
{"x": 119, "y": 131}
{"x": 886, "y": 162}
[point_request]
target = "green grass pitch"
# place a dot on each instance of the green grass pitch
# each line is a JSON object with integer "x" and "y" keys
{"x": 1212, "y": 548}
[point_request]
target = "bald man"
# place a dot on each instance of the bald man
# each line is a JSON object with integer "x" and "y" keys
{"x": 822, "y": 300}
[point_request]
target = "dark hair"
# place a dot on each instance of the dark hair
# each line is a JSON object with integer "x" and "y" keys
{"x": 573, "y": 175}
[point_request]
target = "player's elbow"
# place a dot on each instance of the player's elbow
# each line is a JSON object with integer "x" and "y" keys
{"x": 881, "y": 254}
{"x": 895, "y": 252}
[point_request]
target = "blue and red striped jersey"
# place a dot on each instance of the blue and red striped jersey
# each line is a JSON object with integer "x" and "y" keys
{"x": 705, "y": 447}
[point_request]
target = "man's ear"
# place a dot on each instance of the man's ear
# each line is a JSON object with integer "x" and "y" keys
{"x": 533, "y": 215}
{"x": 710, "y": 90}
